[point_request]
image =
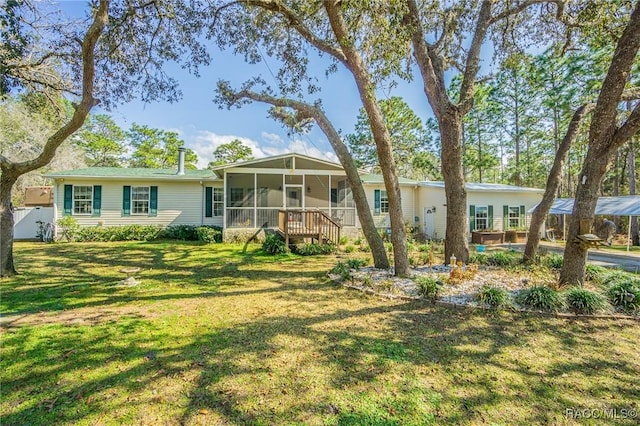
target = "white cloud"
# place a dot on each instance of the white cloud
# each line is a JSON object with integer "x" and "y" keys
{"x": 205, "y": 142}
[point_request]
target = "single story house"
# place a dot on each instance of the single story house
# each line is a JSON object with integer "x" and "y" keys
{"x": 245, "y": 196}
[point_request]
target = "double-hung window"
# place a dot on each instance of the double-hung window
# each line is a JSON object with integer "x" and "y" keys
{"x": 82, "y": 199}
{"x": 514, "y": 217}
{"x": 140, "y": 199}
{"x": 218, "y": 201}
{"x": 384, "y": 202}
{"x": 482, "y": 217}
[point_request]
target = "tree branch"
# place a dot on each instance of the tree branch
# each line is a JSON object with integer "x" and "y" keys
{"x": 522, "y": 6}
{"x": 428, "y": 61}
{"x": 88, "y": 74}
{"x": 615, "y": 80}
{"x": 472, "y": 65}
{"x": 629, "y": 128}
{"x": 295, "y": 22}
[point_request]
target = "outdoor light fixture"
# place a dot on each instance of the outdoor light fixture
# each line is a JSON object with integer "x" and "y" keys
{"x": 308, "y": 189}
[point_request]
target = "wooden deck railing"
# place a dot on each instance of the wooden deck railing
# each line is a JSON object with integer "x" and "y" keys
{"x": 313, "y": 224}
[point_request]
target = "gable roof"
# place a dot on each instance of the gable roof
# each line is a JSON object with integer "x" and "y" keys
{"x": 275, "y": 158}
{"x": 486, "y": 187}
{"x": 133, "y": 173}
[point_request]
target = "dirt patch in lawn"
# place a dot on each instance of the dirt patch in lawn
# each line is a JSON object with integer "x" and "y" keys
{"x": 80, "y": 316}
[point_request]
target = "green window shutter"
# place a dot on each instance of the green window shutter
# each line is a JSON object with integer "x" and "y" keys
{"x": 472, "y": 217}
{"x": 126, "y": 200}
{"x": 490, "y": 217}
{"x": 97, "y": 199}
{"x": 153, "y": 201}
{"x": 505, "y": 213}
{"x": 376, "y": 201}
{"x": 68, "y": 200}
{"x": 208, "y": 202}
{"x": 522, "y": 217}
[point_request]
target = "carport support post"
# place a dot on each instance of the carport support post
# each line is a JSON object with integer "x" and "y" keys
{"x": 629, "y": 236}
{"x": 564, "y": 227}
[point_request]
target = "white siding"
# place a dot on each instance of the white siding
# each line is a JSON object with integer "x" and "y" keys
{"x": 435, "y": 197}
{"x": 179, "y": 203}
{"x": 407, "y": 194}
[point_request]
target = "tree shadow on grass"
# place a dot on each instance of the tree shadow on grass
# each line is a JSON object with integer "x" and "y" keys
{"x": 292, "y": 347}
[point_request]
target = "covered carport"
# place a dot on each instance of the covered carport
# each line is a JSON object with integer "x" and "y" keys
{"x": 625, "y": 205}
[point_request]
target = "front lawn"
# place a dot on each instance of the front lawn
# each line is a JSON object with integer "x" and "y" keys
{"x": 213, "y": 335}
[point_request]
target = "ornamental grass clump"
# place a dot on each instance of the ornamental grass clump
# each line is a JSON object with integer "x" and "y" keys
{"x": 492, "y": 296}
{"x": 503, "y": 259}
{"x": 541, "y": 298}
{"x": 595, "y": 273}
{"x": 553, "y": 261}
{"x": 428, "y": 287}
{"x": 625, "y": 295}
{"x": 583, "y": 301}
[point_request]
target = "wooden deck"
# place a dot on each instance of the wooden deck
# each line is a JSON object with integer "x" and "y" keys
{"x": 312, "y": 224}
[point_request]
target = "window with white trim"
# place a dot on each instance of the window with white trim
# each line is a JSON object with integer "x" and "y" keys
{"x": 218, "y": 201}
{"x": 482, "y": 217}
{"x": 514, "y": 217}
{"x": 140, "y": 199}
{"x": 82, "y": 199}
{"x": 384, "y": 201}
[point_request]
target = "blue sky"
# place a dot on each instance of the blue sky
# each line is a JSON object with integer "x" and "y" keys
{"x": 203, "y": 126}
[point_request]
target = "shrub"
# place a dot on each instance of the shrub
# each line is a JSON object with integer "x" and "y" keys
{"x": 625, "y": 294}
{"x": 583, "y": 301}
{"x": 389, "y": 247}
{"x": 493, "y": 296}
{"x": 273, "y": 244}
{"x": 503, "y": 259}
{"x": 180, "y": 232}
{"x": 356, "y": 263}
{"x": 349, "y": 249}
{"x": 479, "y": 258}
{"x": 426, "y": 247}
{"x": 343, "y": 240}
{"x": 428, "y": 287}
{"x": 69, "y": 228}
{"x": 540, "y": 297}
{"x": 553, "y": 261}
{"x": 312, "y": 249}
{"x": 209, "y": 234}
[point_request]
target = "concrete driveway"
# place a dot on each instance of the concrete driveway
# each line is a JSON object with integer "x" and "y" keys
{"x": 627, "y": 261}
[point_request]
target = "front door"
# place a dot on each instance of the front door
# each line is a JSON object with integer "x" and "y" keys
{"x": 429, "y": 229}
{"x": 294, "y": 197}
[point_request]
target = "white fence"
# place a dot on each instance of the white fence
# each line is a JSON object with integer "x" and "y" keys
{"x": 26, "y": 220}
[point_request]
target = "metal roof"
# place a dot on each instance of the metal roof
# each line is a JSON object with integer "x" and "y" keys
{"x": 626, "y": 205}
{"x": 373, "y": 179}
{"x": 132, "y": 173}
{"x": 487, "y": 187}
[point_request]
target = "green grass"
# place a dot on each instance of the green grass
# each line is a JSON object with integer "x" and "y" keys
{"x": 213, "y": 335}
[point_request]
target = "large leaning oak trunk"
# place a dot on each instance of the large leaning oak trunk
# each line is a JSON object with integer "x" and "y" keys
{"x": 553, "y": 183}
{"x": 381, "y": 136}
{"x": 306, "y": 111}
{"x": 606, "y": 135}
